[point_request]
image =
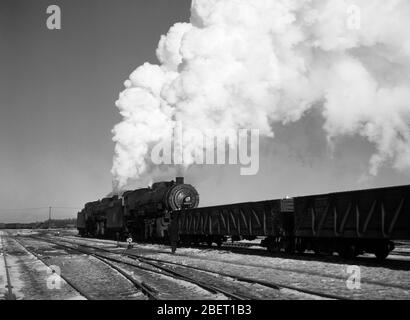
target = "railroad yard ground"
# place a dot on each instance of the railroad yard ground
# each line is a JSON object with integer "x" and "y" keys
{"x": 46, "y": 264}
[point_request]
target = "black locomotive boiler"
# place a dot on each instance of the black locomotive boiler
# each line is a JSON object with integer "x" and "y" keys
{"x": 144, "y": 213}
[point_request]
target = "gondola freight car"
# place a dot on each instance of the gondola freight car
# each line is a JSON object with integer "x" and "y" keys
{"x": 349, "y": 223}
{"x": 353, "y": 222}
{"x": 272, "y": 219}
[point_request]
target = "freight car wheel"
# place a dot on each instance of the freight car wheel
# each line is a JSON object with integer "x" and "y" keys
{"x": 317, "y": 248}
{"x": 273, "y": 248}
{"x": 288, "y": 247}
{"x": 317, "y": 252}
{"x": 300, "y": 246}
{"x": 219, "y": 243}
{"x": 348, "y": 251}
{"x": 382, "y": 252}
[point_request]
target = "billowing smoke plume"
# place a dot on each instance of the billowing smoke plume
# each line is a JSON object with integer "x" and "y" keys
{"x": 254, "y": 63}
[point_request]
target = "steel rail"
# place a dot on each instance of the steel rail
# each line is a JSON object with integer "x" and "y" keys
{"x": 81, "y": 292}
{"x": 273, "y": 285}
{"x": 310, "y": 273}
{"x": 9, "y": 294}
{"x": 151, "y": 293}
{"x": 172, "y": 273}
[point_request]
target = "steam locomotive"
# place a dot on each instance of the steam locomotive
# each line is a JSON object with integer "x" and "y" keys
{"x": 349, "y": 223}
{"x": 143, "y": 213}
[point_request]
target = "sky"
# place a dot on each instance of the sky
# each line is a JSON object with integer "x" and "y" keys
{"x": 57, "y": 94}
{"x": 57, "y": 108}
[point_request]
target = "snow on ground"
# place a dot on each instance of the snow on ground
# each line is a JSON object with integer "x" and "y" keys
{"x": 316, "y": 275}
{"x": 310, "y": 273}
{"x": 288, "y": 264}
{"x": 15, "y": 276}
{"x": 377, "y": 281}
{"x": 30, "y": 277}
{"x": 338, "y": 269}
{"x": 3, "y": 278}
{"x": 25, "y": 232}
{"x": 14, "y": 271}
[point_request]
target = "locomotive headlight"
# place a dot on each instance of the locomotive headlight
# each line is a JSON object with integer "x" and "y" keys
{"x": 182, "y": 196}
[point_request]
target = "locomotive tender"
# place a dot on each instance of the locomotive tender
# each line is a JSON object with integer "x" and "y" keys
{"x": 349, "y": 223}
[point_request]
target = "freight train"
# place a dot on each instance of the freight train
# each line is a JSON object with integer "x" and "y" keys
{"x": 349, "y": 223}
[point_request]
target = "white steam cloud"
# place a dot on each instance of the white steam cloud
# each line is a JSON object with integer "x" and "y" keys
{"x": 254, "y": 63}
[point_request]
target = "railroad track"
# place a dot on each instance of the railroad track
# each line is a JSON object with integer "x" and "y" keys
{"x": 400, "y": 253}
{"x": 148, "y": 291}
{"x": 239, "y": 245}
{"x": 164, "y": 265}
{"x": 247, "y": 247}
{"x": 158, "y": 269}
{"x": 255, "y": 248}
{"x": 145, "y": 289}
{"x": 9, "y": 295}
{"x": 296, "y": 270}
{"x": 81, "y": 292}
{"x": 245, "y": 279}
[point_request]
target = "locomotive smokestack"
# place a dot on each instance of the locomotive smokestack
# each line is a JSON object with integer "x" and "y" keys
{"x": 179, "y": 180}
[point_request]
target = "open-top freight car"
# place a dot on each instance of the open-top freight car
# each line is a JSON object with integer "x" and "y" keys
{"x": 353, "y": 222}
{"x": 273, "y": 219}
{"x": 349, "y": 223}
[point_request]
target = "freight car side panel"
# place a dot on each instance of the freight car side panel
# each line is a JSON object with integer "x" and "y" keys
{"x": 245, "y": 219}
{"x": 372, "y": 214}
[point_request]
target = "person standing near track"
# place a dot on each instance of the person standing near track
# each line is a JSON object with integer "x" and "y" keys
{"x": 173, "y": 235}
{"x": 117, "y": 237}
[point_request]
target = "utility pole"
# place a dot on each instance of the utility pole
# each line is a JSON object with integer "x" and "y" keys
{"x": 49, "y": 217}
